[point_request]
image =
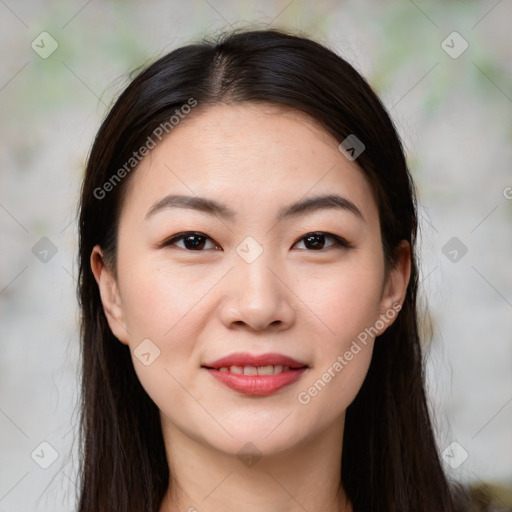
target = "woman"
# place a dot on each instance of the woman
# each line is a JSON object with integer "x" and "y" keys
{"x": 248, "y": 284}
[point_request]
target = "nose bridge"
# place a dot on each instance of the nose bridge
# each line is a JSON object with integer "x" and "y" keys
{"x": 257, "y": 294}
{"x": 258, "y": 278}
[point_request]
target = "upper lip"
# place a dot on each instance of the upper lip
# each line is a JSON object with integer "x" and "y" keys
{"x": 245, "y": 359}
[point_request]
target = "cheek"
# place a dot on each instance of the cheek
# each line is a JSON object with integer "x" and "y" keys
{"x": 349, "y": 310}
{"x": 348, "y": 306}
{"x": 347, "y": 300}
{"x": 168, "y": 306}
{"x": 159, "y": 299}
{"x": 331, "y": 389}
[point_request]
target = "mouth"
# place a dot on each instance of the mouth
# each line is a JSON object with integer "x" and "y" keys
{"x": 257, "y": 375}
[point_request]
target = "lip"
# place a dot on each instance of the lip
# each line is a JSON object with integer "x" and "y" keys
{"x": 246, "y": 359}
{"x": 256, "y": 385}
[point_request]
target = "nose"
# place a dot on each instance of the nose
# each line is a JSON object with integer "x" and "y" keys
{"x": 257, "y": 296}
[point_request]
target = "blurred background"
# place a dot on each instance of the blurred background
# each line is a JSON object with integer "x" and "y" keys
{"x": 443, "y": 70}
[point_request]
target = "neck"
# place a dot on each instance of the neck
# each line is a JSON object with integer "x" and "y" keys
{"x": 305, "y": 477}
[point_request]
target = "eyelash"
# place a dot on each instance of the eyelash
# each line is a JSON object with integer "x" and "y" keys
{"x": 338, "y": 241}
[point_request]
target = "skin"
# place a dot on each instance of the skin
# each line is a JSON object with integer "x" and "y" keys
{"x": 200, "y": 305}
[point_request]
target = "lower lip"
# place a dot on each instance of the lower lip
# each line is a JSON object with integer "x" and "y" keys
{"x": 257, "y": 385}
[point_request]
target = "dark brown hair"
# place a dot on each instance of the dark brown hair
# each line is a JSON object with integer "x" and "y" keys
{"x": 390, "y": 460}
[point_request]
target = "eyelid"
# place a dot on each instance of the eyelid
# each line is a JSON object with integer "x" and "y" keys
{"x": 179, "y": 236}
{"x": 339, "y": 240}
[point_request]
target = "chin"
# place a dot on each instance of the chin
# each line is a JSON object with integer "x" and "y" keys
{"x": 265, "y": 437}
{"x": 249, "y": 448}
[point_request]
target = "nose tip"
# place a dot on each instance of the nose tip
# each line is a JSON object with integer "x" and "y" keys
{"x": 258, "y": 298}
{"x": 260, "y": 325}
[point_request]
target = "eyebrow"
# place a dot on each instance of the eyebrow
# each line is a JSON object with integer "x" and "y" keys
{"x": 212, "y": 207}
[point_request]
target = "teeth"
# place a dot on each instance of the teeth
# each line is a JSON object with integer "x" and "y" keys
{"x": 266, "y": 370}
{"x": 253, "y": 370}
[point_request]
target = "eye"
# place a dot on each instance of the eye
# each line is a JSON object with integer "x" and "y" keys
{"x": 195, "y": 241}
{"x": 316, "y": 241}
{"x": 192, "y": 241}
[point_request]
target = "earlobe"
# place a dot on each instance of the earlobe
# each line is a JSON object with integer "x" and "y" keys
{"x": 397, "y": 282}
{"x": 110, "y": 296}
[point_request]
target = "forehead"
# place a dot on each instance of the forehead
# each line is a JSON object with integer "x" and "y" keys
{"x": 252, "y": 154}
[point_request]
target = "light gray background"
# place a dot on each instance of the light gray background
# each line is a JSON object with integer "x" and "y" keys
{"x": 455, "y": 115}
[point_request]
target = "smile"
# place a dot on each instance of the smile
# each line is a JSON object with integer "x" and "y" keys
{"x": 257, "y": 375}
{"x": 256, "y": 370}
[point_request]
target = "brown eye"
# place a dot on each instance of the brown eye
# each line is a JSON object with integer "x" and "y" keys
{"x": 191, "y": 241}
{"x": 316, "y": 241}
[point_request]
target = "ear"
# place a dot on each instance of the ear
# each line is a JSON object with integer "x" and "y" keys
{"x": 395, "y": 287}
{"x": 110, "y": 296}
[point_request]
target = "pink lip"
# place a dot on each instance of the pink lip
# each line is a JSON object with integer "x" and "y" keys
{"x": 245, "y": 359}
{"x": 256, "y": 385}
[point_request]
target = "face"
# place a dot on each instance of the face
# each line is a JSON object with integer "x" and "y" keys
{"x": 252, "y": 272}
